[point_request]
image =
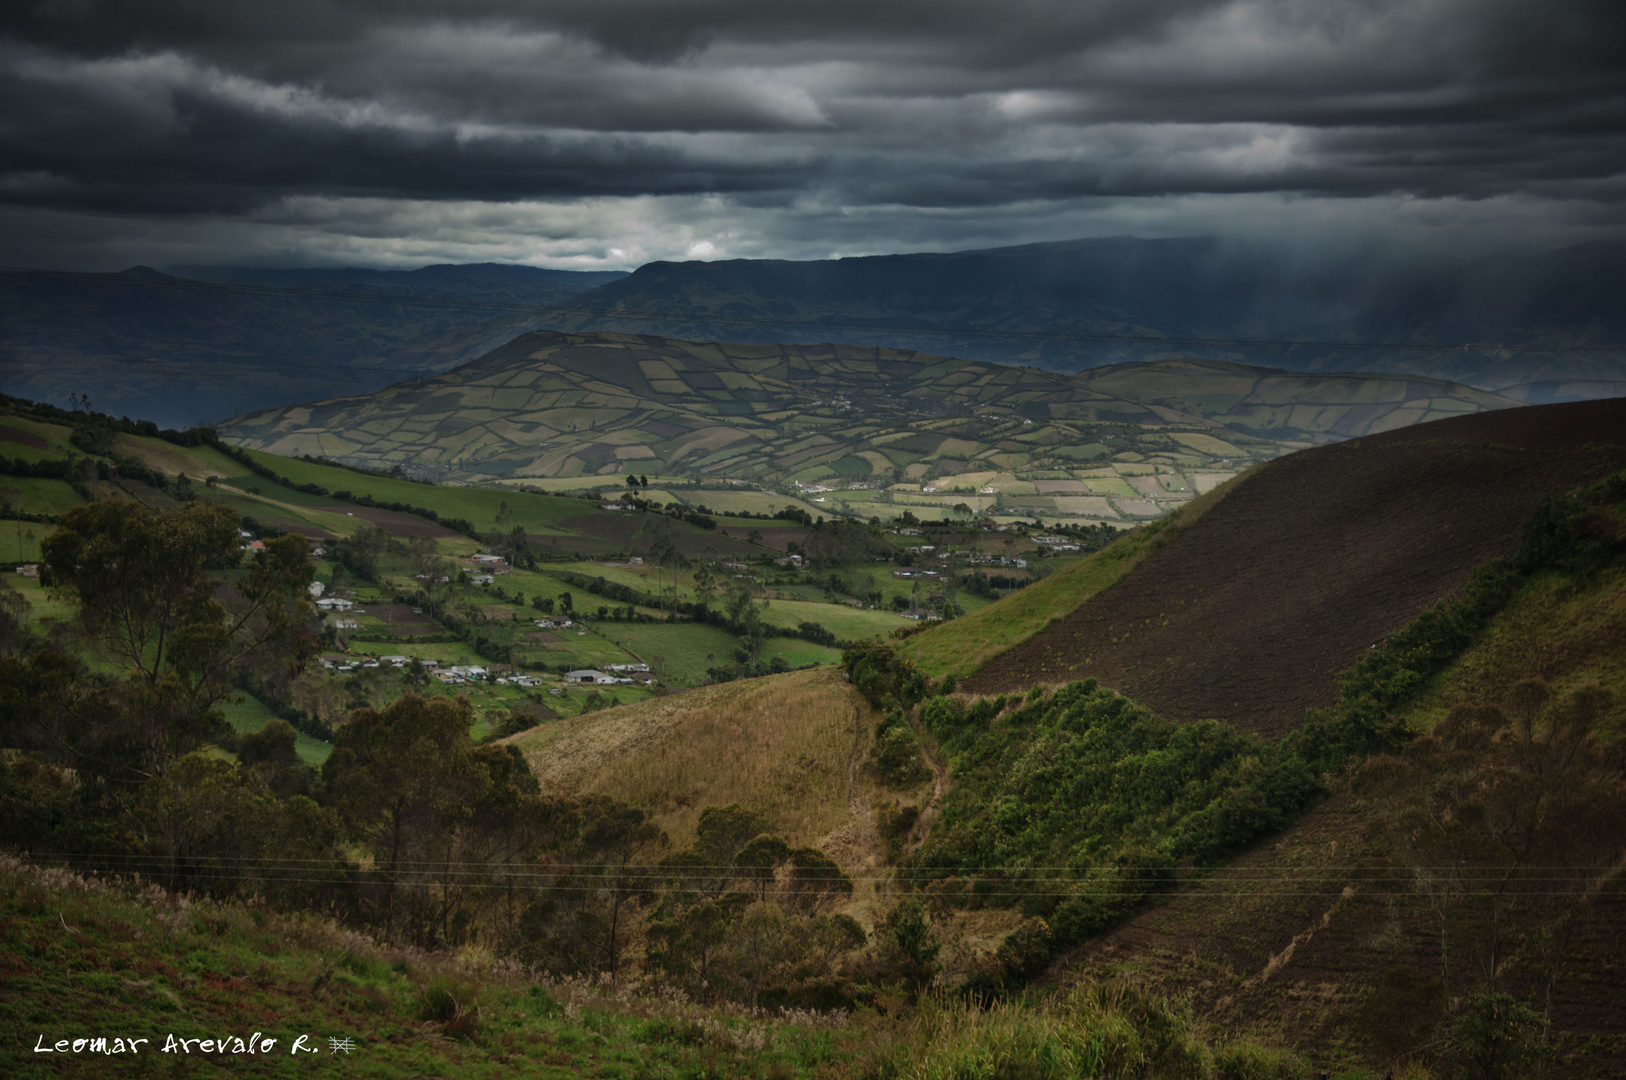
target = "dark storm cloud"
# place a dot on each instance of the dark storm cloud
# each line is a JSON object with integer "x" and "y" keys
{"x": 226, "y": 107}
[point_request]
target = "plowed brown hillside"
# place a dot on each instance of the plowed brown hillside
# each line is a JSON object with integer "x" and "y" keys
{"x": 1250, "y": 616}
{"x": 1316, "y": 941}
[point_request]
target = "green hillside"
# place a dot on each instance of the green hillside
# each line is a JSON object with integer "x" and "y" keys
{"x": 851, "y": 871}
{"x": 872, "y": 432}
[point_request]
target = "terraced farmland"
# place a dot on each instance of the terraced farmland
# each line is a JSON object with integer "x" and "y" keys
{"x": 857, "y": 430}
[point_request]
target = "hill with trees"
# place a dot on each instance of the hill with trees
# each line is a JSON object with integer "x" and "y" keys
{"x": 1407, "y": 859}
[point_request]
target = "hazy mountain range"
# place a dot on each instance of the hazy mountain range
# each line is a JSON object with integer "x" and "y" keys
{"x": 1535, "y": 328}
{"x": 203, "y": 343}
{"x": 200, "y": 343}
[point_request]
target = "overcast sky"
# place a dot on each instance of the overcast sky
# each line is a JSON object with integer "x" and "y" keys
{"x": 601, "y": 134}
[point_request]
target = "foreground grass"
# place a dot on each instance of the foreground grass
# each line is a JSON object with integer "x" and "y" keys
{"x": 1105, "y": 1031}
{"x": 963, "y": 645}
{"x": 83, "y": 959}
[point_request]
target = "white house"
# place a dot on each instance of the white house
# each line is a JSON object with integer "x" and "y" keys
{"x": 588, "y": 675}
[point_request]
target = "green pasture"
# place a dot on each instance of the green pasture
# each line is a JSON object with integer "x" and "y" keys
{"x": 45, "y": 609}
{"x": 38, "y": 495}
{"x": 689, "y": 648}
{"x": 257, "y": 485}
{"x": 593, "y": 649}
{"x": 245, "y": 712}
{"x": 533, "y": 512}
{"x": 57, "y": 440}
{"x": 846, "y": 623}
{"x": 748, "y": 502}
{"x": 799, "y": 653}
{"x": 642, "y": 578}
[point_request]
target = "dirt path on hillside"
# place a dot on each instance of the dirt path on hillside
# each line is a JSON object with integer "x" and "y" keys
{"x": 853, "y": 807}
{"x": 928, "y": 813}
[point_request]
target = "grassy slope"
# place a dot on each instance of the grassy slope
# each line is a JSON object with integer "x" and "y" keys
{"x": 963, "y": 645}
{"x": 536, "y": 513}
{"x": 777, "y": 745}
{"x": 846, "y": 623}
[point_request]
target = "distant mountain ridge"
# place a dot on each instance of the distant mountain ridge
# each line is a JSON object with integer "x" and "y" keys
{"x": 197, "y": 344}
{"x": 440, "y": 277}
{"x": 1078, "y": 304}
{"x": 202, "y": 343}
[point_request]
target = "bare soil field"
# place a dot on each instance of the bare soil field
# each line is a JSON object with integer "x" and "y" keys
{"x": 606, "y": 532}
{"x": 776, "y": 537}
{"x": 402, "y": 620}
{"x": 1250, "y": 616}
{"x": 22, "y": 438}
{"x": 401, "y": 526}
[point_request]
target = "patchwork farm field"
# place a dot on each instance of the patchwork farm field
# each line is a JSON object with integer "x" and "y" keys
{"x": 919, "y": 432}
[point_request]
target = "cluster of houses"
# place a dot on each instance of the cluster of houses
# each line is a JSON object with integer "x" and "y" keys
{"x": 341, "y": 662}
{"x": 459, "y": 674}
{"x": 983, "y": 558}
{"x": 500, "y": 674}
{"x": 618, "y": 674}
{"x": 488, "y": 568}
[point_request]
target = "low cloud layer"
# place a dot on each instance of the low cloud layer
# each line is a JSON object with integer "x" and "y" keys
{"x": 608, "y": 133}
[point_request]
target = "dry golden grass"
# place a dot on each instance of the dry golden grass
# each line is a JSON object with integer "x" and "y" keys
{"x": 779, "y": 746}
